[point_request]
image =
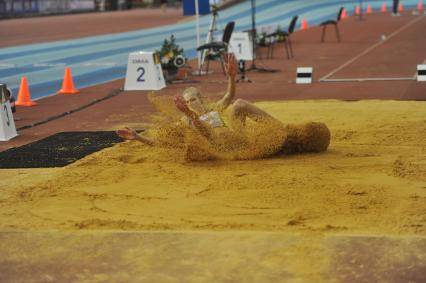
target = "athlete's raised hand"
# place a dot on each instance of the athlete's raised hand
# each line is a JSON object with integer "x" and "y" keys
{"x": 231, "y": 65}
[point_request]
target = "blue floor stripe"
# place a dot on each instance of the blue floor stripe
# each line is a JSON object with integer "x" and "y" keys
{"x": 171, "y": 29}
{"x": 88, "y": 79}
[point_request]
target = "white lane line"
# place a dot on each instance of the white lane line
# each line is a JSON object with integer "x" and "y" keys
{"x": 369, "y": 79}
{"x": 370, "y": 48}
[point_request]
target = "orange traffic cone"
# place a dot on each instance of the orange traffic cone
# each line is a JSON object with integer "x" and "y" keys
{"x": 384, "y": 8}
{"x": 68, "y": 84}
{"x": 357, "y": 11}
{"x": 400, "y": 8}
{"x": 344, "y": 14}
{"x": 420, "y": 5}
{"x": 24, "y": 97}
{"x": 369, "y": 9}
{"x": 304, "y": 24}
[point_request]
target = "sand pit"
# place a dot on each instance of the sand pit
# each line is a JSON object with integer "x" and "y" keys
{"x": 371, "y": 180}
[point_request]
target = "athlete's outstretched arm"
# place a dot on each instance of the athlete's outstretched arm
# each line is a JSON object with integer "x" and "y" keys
{"x": 231, "y": 69}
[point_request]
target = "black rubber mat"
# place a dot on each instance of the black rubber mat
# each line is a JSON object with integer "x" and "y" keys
{"x": 57, "y": 150}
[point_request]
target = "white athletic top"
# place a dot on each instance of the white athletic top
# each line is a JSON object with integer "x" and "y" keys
{"x": 213, "y": 119}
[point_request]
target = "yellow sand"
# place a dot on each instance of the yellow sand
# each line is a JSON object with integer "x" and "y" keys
{"x": 371, "y": 180}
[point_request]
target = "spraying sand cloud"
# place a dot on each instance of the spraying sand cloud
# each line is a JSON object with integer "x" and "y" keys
{"x": 257, "y": 139}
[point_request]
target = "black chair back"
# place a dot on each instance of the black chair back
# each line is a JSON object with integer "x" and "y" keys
{"x": 292, "y": 24}
{"x": 227, "y": 33}
{"x": 339, "y": 16}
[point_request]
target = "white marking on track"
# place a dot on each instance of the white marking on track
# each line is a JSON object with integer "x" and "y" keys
{"x": 369, "y": 49}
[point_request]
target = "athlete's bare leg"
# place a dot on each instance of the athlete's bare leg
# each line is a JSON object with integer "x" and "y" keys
{"x": 240, "y": 110}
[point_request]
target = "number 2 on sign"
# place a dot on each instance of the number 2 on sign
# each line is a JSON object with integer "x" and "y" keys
{"x": 141, "y": 78}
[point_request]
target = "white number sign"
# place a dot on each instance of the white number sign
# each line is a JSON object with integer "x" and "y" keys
{"x": 241, "y": 46}
{"x": 144, "y": 72}
{"x": 7, "y": 125}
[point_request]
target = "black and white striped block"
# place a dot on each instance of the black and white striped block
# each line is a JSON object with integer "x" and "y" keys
{"x": 421, "y": 73}
{"x": 304, "y": 75}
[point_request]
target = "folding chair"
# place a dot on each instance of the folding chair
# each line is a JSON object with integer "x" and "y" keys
{"x": 215, "y": 50}
{"x": 332, "y": 22}
{"x": 287, "y": 40}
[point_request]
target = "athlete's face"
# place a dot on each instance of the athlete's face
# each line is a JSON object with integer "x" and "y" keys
{"x": 194, "y": 102}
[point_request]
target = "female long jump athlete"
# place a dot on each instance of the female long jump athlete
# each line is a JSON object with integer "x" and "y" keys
{"x": 227, "y": 118}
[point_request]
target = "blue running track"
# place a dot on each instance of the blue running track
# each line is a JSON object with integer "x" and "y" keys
{"x": 99, "y": 59}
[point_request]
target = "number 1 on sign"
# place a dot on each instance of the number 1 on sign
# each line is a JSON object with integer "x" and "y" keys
{"x": 141, "y": 78}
